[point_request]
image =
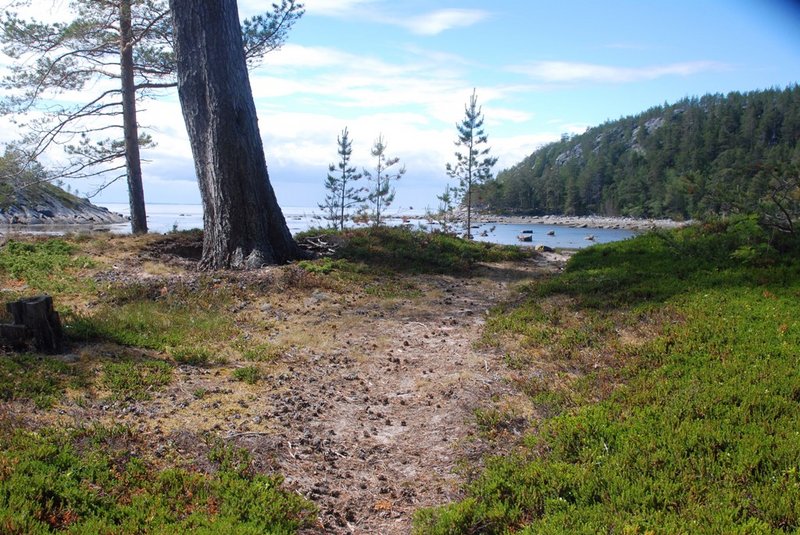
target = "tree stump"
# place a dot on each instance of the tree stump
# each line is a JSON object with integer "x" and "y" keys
{"x": 34, "y": 317}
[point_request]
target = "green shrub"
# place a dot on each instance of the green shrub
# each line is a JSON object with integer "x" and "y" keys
{"x": 704, "y": 436}
{"x": 402, "y": 249}
{"x": 43, "y": 264}
{"x": 134, "y": 380}
{"x": 193, "y": 356}
{"x": 41, "y": 379}
{"x": 85, "y": 482}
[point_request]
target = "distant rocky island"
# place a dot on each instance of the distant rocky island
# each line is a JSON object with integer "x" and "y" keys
{"x": 47, "y": 204}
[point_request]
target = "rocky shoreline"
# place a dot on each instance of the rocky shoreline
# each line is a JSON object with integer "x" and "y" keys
{"x": 53, "y": 210}
{"x": 601, "y": 222}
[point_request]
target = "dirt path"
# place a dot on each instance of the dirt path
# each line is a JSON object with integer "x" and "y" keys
{"x": 369, "y": 412}
{"x": 377, "y": 416}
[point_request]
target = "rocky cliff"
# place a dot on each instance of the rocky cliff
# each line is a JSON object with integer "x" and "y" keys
{"x": 47, "y": 204}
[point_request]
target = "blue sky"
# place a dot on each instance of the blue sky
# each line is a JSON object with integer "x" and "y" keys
{"x": 405, "y": 69}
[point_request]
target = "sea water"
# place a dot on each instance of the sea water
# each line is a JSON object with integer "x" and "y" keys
{"x": 169, "y": 217}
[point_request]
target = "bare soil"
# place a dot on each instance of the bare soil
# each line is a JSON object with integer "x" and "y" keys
{"x": 369, "y": 410}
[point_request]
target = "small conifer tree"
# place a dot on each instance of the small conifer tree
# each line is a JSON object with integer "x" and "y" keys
{"x": 475, "y": 166}
{"x": 381, "y": 194}
{"x": 342, "y": 194}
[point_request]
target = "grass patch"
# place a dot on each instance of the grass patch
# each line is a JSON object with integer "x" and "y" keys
{"x": 372, "y": 257}
{"x": 43, "y": 380}
{"x": 140, "y": 316}
{"x": 247, "y": 374}
{"x": 134, "y": 380}
{"x": 263, "y": 352}
{"x": 400, "y": 249}
{"x": 389, "y": 287}
{"x": 705, "y": 435}
{"x": 193, "y": 356}
{"x": 93, "y": 481}
{"x": 327, "y": 265}
{"x": 44, "y": 264}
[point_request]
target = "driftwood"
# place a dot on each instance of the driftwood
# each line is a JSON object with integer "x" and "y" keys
{"x": 34, "y": 318}
{"x": 319, "y": 245}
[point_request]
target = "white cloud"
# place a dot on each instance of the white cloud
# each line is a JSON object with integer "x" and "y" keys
{"x": 163, "y": 118}
{"x": 563, "y": 71}
{"x": 431, "y": 23}
{"x": 513, "y": 149}
{"x": 305, "y": 95}
{"x": 349, "y": 81}
{"x": 436, "y": 22}
{"x": 495, "y": 116}
{"x": 271, "y": 87}
{"x": 574, "y": 128}
{"x": 298, "y": 56}
{"x": 414, "y": 103}
{"x": 310, "y": 138}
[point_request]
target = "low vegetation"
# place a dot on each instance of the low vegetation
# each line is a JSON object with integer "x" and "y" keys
{"x": 127, "y": 336}
{"x": 47, "y": 265}
{"x": 658, "y": 377}
{"x": 669, "y": 398}
{"x": 41, "y": 380}
{"x": 176, "y": 316}
{"x": 247, "y": 374}
{"x": 415, "y": 251}
{"x": 130, "y": 379}
{"x": 132, "y": 338}
{"x": 99, "y": 480}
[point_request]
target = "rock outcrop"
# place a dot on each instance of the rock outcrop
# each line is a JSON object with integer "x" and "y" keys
{"x": 50, "y": 205}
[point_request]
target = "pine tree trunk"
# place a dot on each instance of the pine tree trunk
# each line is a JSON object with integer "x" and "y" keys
{"x": 343, "y": 200}
{"x": 469, "y": 212}
{"x": 129, "y": 124}
{"x": 244, "y": 227}
{"x": 469, "y": 194}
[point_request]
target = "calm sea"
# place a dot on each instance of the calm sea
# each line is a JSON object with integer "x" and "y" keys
{"x": 167, "y": 217}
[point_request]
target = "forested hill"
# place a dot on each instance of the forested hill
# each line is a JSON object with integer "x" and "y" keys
{"x": 700, "y": 156}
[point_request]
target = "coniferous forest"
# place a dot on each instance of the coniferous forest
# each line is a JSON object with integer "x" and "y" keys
{"x": 712, "y": 155}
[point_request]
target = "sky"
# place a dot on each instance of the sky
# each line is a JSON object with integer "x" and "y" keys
{"x": 406, "y": 69}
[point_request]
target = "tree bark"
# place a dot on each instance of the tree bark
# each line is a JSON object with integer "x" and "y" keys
{"x": 244, "y": 227}
{"x": 129, "y": 124}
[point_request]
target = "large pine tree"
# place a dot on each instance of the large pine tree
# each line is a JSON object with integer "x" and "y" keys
{"x": 244, "y": 227}
{"x": 115, "y": 53}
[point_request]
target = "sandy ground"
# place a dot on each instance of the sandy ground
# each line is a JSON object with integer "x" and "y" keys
{"x": 372, "y": 418}
{"x": 378, "y": 424}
